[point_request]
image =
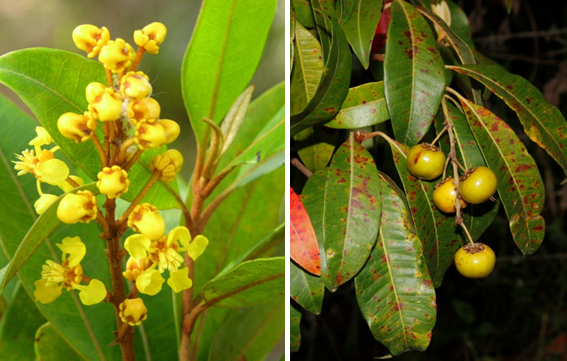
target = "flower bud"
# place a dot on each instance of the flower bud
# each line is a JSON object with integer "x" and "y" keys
{"x": 44, "y": 202}
{"x": 113, "y": 181}
{"x": 78, "y": 127}
{"x": 134, "y": 267}
{"x": 150, "y": 37}
{"x": 135, "y": 85}
{"x": 172, "y": 129}
{"x": 80, "y": 207}
{"x": 90, "y": 38}
{"x": 133, "y": 311}
{"x": 146, "y": 220}
{"x": 117, "y": 55}
{"x": 150, "y": 134}
{"x": 169, "y": 163}
{"x": 146, "y": 108}
{"x": 104, "y": 103}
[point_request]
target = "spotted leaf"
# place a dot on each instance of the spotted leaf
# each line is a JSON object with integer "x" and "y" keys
{"x": 306, "y": 289}
{"x": 303, "y": 246}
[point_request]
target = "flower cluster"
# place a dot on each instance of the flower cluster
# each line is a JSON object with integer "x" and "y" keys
{"x": 122, "y": 121}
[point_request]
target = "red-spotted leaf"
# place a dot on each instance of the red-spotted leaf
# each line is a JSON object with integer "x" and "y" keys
{"x": 364, "y": 105}
{"x": 542, "y": 122}
{"x": 519, "y": 183}
{"x": 306, "y": 289}
{"x": 352, "y": 210}
{"x": 294, "y": 331}
{"x": 394, "y": 290}
{"x": 360, "y": 27}
{"x": 477, "y": 217}
{"x": 437, "y": 231}
{"x": 414, "y": 73}
{"x": 303, "y": 246}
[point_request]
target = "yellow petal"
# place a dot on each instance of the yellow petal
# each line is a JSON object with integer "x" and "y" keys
{"x": 92, "y": 294}
{"x": 46, "y": 292}
{"x": 52, "y": 171}
{"x": 149, "y": 282}
{"x": 43, "y": 137}
{"x": 44, "y": 202}
{"x": 179, "y": 234}
{"x": 137, "y": 245}
{"x": 74, "y": 248}
{"x": 179, "y": 280}
{"x": 197, "y": 247}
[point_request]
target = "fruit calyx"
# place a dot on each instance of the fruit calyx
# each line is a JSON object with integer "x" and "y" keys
{"x": 473, "y": 248}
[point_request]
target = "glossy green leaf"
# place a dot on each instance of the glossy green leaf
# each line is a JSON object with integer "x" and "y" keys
{"x": 294, "y": 331}
{"x": 352, "y": 211}
{"x": 250, "y": 283}
{"x": 315, "y": 146}
{"x": 477, "y": 217}
{"x": 520, "y": 186}
{"x": 40, "y": 230}
{"x": 49, "y": 345}
{"x": 437, "y": 231}
{"x": 304, "y": 13}
{"x": 394, "y": 291}
{"x": 333, "y": 86}
{"x": 360, "y": 27}
{"x": 18, "y": 327}
{"x": 51, "y": 83}
{"x": 222, "y": 56}
{"x": 542, "y": 122}
{"x": 306, "y": 289}
{"x": 307, "y": 70}
{"x": 414, "y": 73}
{"x": 364, "y": 105}
{"x": 251, "y": 334}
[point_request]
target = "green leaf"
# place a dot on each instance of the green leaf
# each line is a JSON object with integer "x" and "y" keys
{"x": 235, "y": 117}
{"x": 222, "y": 56}
{"x": 364, "y": 105}
{"x": 250, "y": 283}
{"x": 360, "y": 27}
{"x": 333, "y": 86}
{"x": 414, "y": 74}
{"x": 18, "y": 327}
{"x": 251, "y": 334}
{"x": 49, "y": 345}
{"x": 306, "y": 289}
{"x": 307, "y": 69}
{"x": 40, "y": 230}
{"x": 304, "y": 13}
{"x": 519, "y": 183}
{"x": 542, "y": 122}
{"x": 53, "y": 82}
{"x": 394, "y": 291}
{"x": 460, "y": 24}
{"x": 294, "y": 331}
{"x": 315, "y": 146}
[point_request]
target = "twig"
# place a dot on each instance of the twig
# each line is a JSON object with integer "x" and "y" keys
{"x": 303, "y": 169}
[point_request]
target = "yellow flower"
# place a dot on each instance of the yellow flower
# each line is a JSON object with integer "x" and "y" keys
{"x": 43, "y": 138}
{"x": 92, "y": 294}
{"x": 44, "y": 166}
{"x": 90, "y": 38}
{"x": 146, "y": 220}
{"x": 80, "y": 207}
{"x": 169, "y": 163}
{"x": 133, "y": 311}
{"x": 179, "y": 280}
{"x": 149, "y": 282}
{"x": 146, "y": 108}
{"x": 134, "y": 267}
{"x": 117, "y": 56}
{"x": 150, "y": 134}
{"x": 113, "y": 181}
{"x": 104, "y": 103}
{"x": 78, "y": 127}
{"x": 44, "y": 202}
{"x": 135, "y": 85}
{"x": 151, "y": 37}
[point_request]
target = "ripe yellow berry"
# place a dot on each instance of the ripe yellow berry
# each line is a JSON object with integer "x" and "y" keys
{"x": 425, "y": 161}
{"x": 478, "y": 185}
{"x": 475, "y": 260}
{"x": 445, "y": 196}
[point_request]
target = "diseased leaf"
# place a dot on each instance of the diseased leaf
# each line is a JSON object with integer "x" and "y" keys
{"x": 394, "y": 291}
{"x": 315, "y": 146}
{"x": 414, "y": 74}
{"x": 364, "y": 105}
{"x": 332, "y": 88}
{"x": 295, "y": 332}
{"x": 519, "y": 183}
{"x": 359, "y": 25}
{"x": 306, "y": 289}
{"x": 542, "y": 122}
{"x": 303, "y": 248}
{"x": 307, "y": 69}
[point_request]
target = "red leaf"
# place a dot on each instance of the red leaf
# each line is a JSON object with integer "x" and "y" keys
{"x": 304, "y": 249}
{"x": 379, "y": 40}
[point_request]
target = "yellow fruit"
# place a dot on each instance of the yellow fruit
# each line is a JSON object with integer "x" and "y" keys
{"x": 425, "y": 161}
{"x": 478, "y": 185}
{"x": 445, "y": 197}
{"x": 475, "y": 260}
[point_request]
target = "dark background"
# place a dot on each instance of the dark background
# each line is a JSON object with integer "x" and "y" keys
{"x": 518, "y": 312}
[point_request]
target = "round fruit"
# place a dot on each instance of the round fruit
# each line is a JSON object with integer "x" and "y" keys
{"x": 478, "y": 184}
{"x": 445, "y": 197}
{"x": 475, "y": 260}
{"x": 425, "y": 161}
